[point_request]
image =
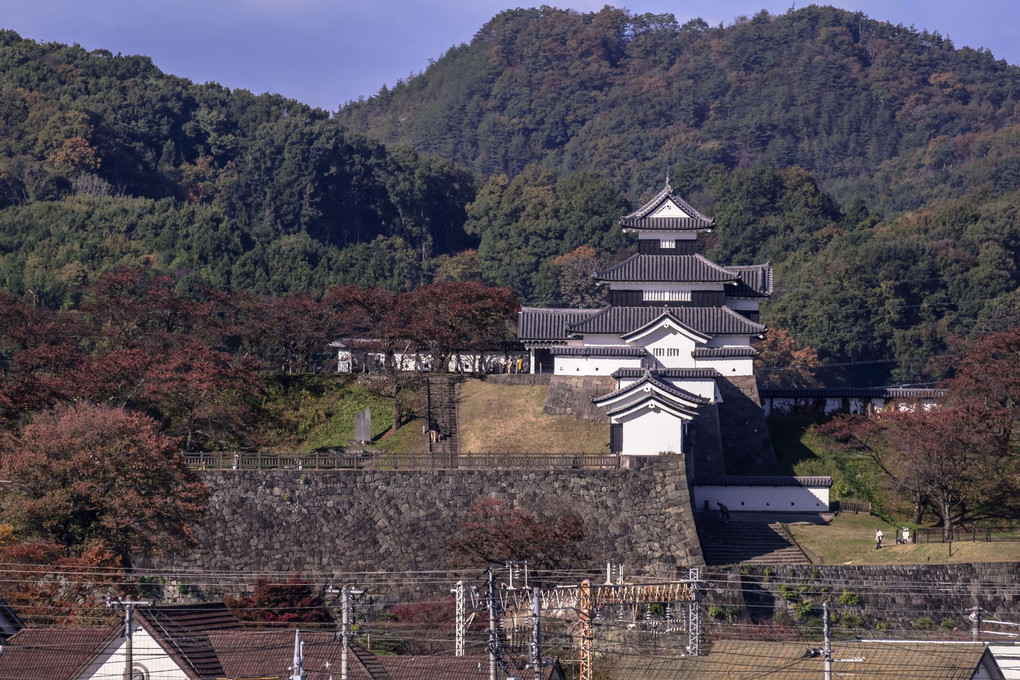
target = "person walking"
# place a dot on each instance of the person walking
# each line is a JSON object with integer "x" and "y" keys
{"x": 878, "y": 539}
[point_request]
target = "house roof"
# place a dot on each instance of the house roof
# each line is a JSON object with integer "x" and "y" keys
{"x": 704, "y": 320}
{"x": 668, "y": 268}
{"x": 268, "y": 655}
{"x": 753, "y": 281}
{"x": 817, "y": 482}
{"x": 52, "y": 653}
{"x": 650, "y": 381}
{"x": 450, "y": 668}
{"x": 851, "y": 393}
{"x": 536, "y": 323}
{"x": 600, "y": 351}
{"x": 183, "y": 632}
{"x": 724, "y": 352}
{"x": 669, "y": 373}
{"x": 644, "y": 217}
{"x": 739, "y": 659}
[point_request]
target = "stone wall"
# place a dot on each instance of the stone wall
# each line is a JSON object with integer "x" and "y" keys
{"x": 312, "y": 522}
{"x": 571, "y": 396}
{"x": 747, "y": 448}
{"x": 895, "y": 596}
{"x": 518, "y": 378}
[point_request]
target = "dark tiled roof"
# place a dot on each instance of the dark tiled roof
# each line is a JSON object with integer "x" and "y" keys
{"x": 754, "y": 281}
{"x": 449, "y": 668}
{"x": 52, "y": 653}
{"x": 851, "y": 393}
{"x": 184, "y": 632}
{"x": 740, "y": 659}
{"x": 764, "y": 480}
{"x": 639, "y": 219}
{"x": 667, "y": 268}
{"x": 535, "y": 323}
{"x": 649, "y": 380}
{"x": 724, "y": 352}
{"x": 600, "y": 351}
{"x": 269, "y": 654}
{"x": 668, "y": 373}
{"x": 666, "y": 223}
{"x": 661, "y": 401}
{"x": 705, "y": 320}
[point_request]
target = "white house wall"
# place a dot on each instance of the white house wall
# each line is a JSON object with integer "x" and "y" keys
{"x": 728, "y": 366}
{"x": 675, "y": 348}
{"x": 145, "y": 651}
{"x": 580, "y": 366}
{"x": 650, "y": 431}
{"x": 762, "y": 498}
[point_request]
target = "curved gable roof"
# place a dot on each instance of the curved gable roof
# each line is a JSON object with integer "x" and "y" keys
{"x": 668, "y": 268}
{"x": 661, "y": 320}
{"x": 645, "y": 217}
{"x": 681, "y": 398}
{"x": 704, "y": 320}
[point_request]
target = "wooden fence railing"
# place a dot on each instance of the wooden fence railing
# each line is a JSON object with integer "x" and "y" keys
{"x": 853, "y": 505}
{"x": 329, "y": 460}
{"x": 972, "y": 534}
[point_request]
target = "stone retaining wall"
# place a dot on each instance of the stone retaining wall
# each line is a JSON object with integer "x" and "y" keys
{"x": 287, "y": 521}
{"x": 571, "y": 396}
{"x": 896, "y": 596}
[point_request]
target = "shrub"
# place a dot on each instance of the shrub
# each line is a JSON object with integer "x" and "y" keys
{"x": 924, "y": 623}
{"x": 848, "y": 598}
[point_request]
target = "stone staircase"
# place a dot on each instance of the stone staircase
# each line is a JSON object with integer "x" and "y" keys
{"x": 441, "y": 393}
{"x": 747, "y": 541}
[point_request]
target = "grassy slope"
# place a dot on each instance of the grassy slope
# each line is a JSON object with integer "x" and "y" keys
{"x": 851, "y": 539}
{"x": 316, "y": 412}
{"x": 508, "y": 419}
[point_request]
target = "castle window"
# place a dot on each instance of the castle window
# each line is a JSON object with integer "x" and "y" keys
{"x": 666, "y": 296}
{"x": 664, "y": 245}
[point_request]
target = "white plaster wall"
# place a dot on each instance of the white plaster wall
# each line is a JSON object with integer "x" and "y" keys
{"x": 650, "y": 431}
{"x": 579, "y": 366}
{"x": 762, "y": 498}
{"x": 734, "y": 366}
{"x": 146, "y": 651}
{"x": 742, "y": 304}
{"x": 665, "y": 339}
{"x": 600, "y": 339}
{"x": 729, "y": 341}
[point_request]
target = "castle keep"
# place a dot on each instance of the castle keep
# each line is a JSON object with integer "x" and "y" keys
{"x": 676, "y": 338}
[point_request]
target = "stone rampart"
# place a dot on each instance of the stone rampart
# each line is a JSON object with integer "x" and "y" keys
{"x": 355, "y": 520}
{"x": 572, "y": 395}
{"x": 872, "y": 597}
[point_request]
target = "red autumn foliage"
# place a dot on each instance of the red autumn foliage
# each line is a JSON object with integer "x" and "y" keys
{"x": 281, "y": 603}
{"x": 101, "y": 476}
{"x": 496, "y": 534}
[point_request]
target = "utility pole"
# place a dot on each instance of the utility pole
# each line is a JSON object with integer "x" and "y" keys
{"x": 298, "y": 664}
{"x": 827, "y": 650}
{"x": 536, "y": 634}
{"x": 345, "y": 629}
{"x": 493, "y": 637}
{"x": 458, "y": 592}
{"x": 129, "y": 617}
{"x": 975, "y": 622}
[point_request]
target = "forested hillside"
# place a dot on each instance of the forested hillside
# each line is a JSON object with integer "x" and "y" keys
{"x": 809, "y": 136}
{"x": 874, "y": 165}
{"x": 106, "y": 161}
{"x": 874, "y": 111}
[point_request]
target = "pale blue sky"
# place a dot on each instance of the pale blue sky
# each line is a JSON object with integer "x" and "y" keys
{"x": 326, "y": 52}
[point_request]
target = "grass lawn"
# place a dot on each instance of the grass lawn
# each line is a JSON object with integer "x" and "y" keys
{"x": 851, "y": 539}
{"x": 509, "y": 419}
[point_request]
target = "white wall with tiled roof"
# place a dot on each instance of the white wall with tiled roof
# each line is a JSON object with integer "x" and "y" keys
{"x": 147, "y": 655}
